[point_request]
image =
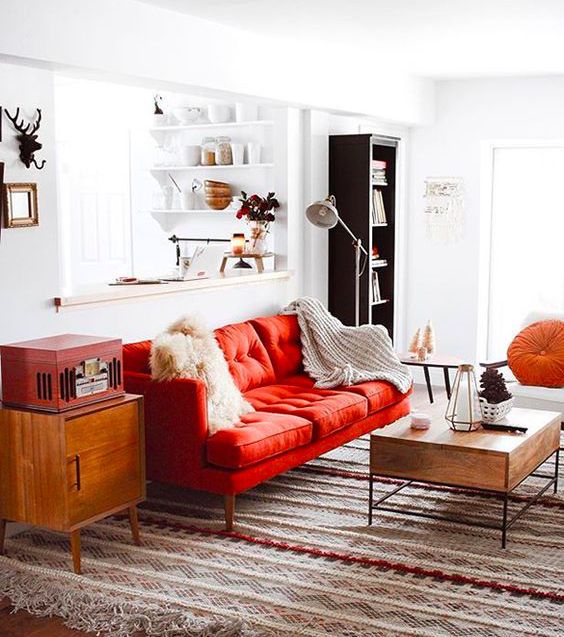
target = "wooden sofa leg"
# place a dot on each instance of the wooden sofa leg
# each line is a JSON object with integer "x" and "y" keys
{"x": 229, "y": 508}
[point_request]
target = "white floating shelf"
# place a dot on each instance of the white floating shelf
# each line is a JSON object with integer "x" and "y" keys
{"x": 205, "y": 168}
{"x": 206, "y": 125}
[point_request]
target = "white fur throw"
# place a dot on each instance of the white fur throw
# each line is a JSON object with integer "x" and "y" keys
{"x": 188, "y": 349}
{"x": 335, "y": 354}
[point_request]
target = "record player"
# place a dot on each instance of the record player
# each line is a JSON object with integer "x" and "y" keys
{"x": 61, "y": 372}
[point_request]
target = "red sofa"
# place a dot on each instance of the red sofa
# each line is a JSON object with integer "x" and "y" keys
{"x": 293, "y": 421}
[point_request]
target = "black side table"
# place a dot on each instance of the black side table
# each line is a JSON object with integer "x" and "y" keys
{"x": 436, "y": 360}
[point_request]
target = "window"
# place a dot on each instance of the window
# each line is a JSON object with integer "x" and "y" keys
{"x": 527, "y": 233}
{"x": 93, "y": 121}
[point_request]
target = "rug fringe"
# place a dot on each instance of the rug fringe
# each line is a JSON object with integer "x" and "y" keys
{"x": 109, "y": 616}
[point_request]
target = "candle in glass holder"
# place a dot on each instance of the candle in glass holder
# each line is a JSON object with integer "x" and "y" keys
{"x": 238, "y": 244}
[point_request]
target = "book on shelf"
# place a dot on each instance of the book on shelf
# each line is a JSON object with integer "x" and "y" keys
{"x": 379, "y": 172}
{"x": 378, "y": 210}
{"x": 379, "y": 263}
{"x": 376, "y": 296}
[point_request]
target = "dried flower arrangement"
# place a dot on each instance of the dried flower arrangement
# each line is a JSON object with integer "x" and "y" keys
{"x": 257, "y": 208}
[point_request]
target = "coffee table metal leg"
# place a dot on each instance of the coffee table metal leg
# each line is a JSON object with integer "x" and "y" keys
{"x": 370, "y": 498}
{"x": 447, "y": 381}
{"x": 428, "y": 381}
{"x": 557, "y": 462}
{"x": 504, "y": 523}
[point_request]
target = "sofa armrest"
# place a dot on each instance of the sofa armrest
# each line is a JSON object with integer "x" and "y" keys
{"x": 494, "y": 364}
{"x": 176, "y": 426}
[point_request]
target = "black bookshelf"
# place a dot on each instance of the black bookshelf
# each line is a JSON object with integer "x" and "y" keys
{"x": 354, "y": 162}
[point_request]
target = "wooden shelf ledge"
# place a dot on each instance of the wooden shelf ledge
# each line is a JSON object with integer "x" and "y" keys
{"x": 104, "y": 294}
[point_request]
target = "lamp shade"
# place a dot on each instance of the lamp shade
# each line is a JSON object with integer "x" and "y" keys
{"x": 323, "y": 214}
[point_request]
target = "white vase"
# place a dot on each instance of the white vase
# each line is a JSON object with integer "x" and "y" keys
{"x": 259, "y": 237}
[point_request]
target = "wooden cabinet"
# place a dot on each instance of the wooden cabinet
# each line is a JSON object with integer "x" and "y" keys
{"x": 65, "y": 470}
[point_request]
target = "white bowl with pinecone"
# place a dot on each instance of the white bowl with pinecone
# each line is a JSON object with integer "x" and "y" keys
{"x": 495, "y": 399}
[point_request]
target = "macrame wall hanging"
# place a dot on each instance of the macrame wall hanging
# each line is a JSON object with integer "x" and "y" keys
{"x": 444, "y": 208}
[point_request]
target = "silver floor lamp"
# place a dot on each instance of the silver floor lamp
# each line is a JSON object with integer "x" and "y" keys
{"x": 324, "y": 214}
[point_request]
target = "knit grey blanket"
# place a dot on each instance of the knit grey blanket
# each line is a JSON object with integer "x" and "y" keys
{"x": 335, "y": 354}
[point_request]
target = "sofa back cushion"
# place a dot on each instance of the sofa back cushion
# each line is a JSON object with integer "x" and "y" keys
{"x": 246, "y": 356}
{"x": 136, "y": 357}
{"x": 281, "y": 338}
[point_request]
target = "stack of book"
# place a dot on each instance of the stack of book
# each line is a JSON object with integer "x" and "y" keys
{"x": 378, "y": 210}
{"x": 379, "y": 173}
{"x": 376, "y": 296}
{"x": 379, "y": 263}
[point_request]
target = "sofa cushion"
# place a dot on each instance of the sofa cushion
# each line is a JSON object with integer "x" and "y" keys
{"x": 257, "y": 437}
{"x": 378, "y": 393}
{"x": 136, "y": 357}
{"x": 246, "y": 356}
{"x": 328, "y": 410}
{"x": 281, "y": 338}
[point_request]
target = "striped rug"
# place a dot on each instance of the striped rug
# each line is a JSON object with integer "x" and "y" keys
{"x": 303, "y": 561}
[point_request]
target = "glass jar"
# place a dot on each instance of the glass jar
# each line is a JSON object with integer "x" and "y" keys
{"x": 208, "y": 151}
{"x": 223, "y": 155}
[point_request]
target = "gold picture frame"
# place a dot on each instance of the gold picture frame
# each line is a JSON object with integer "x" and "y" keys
{"x": 20, "y": 205}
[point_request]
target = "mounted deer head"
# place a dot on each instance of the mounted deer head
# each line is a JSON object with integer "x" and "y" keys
{"x": 27, "y": 138}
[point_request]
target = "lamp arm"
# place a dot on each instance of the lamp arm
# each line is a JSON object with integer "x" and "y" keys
{"x": 355, "y": 239}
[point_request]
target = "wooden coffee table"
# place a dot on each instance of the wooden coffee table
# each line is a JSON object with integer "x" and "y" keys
{"x": 435, "y": 360}
{"x": 485, "y": 461}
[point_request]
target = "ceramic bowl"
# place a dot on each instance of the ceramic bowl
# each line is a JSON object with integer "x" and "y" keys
{"x": 187, "y": 114}
{"x": 218, "y": 192}
{"x": 218, "y": 203}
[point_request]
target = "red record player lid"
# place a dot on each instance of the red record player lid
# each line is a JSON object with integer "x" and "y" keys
{"x": 63, "y": 347}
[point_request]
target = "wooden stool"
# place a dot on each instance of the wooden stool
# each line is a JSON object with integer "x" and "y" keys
{"x": 257, "y": 257}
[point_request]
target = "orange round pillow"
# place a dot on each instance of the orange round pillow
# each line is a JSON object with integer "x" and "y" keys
{"x": 536, "y": 354}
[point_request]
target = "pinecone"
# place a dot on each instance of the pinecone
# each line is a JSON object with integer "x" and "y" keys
{"x": 494, "y": 389}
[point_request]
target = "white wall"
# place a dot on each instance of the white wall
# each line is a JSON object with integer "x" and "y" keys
{"x": 443, "y": 282}
{"x": 133, "y": 39}
{"x": 30, "y": 272}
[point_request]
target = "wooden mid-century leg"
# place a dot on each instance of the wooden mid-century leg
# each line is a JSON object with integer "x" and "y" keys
{"x": 2, "y": 535}
{"x": 134, "y": 523}
{"x": 75, "y": 548}
{"x": 229, "y": 507}
{"x": 260, "y": 264}
{"x": 223, "y": 264}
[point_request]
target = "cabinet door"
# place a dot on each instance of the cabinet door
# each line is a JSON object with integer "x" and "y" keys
{"x": 103, "y": 461}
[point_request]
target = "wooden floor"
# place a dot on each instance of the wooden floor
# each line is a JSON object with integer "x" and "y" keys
{"x": 23, "y": 624}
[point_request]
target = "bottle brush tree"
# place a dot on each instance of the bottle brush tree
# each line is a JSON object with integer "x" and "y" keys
{"x": 493, "y": 387}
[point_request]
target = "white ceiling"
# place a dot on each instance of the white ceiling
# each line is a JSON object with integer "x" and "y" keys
{"x": 431, "y": 38}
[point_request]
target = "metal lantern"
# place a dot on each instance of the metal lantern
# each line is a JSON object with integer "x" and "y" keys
{"x": 464, "y": 411}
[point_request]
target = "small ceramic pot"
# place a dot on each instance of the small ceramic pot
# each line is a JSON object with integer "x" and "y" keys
{"x": 190, "y": 155}
{"x": 238, "y": 154}
{"x": 219, "y": 113}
